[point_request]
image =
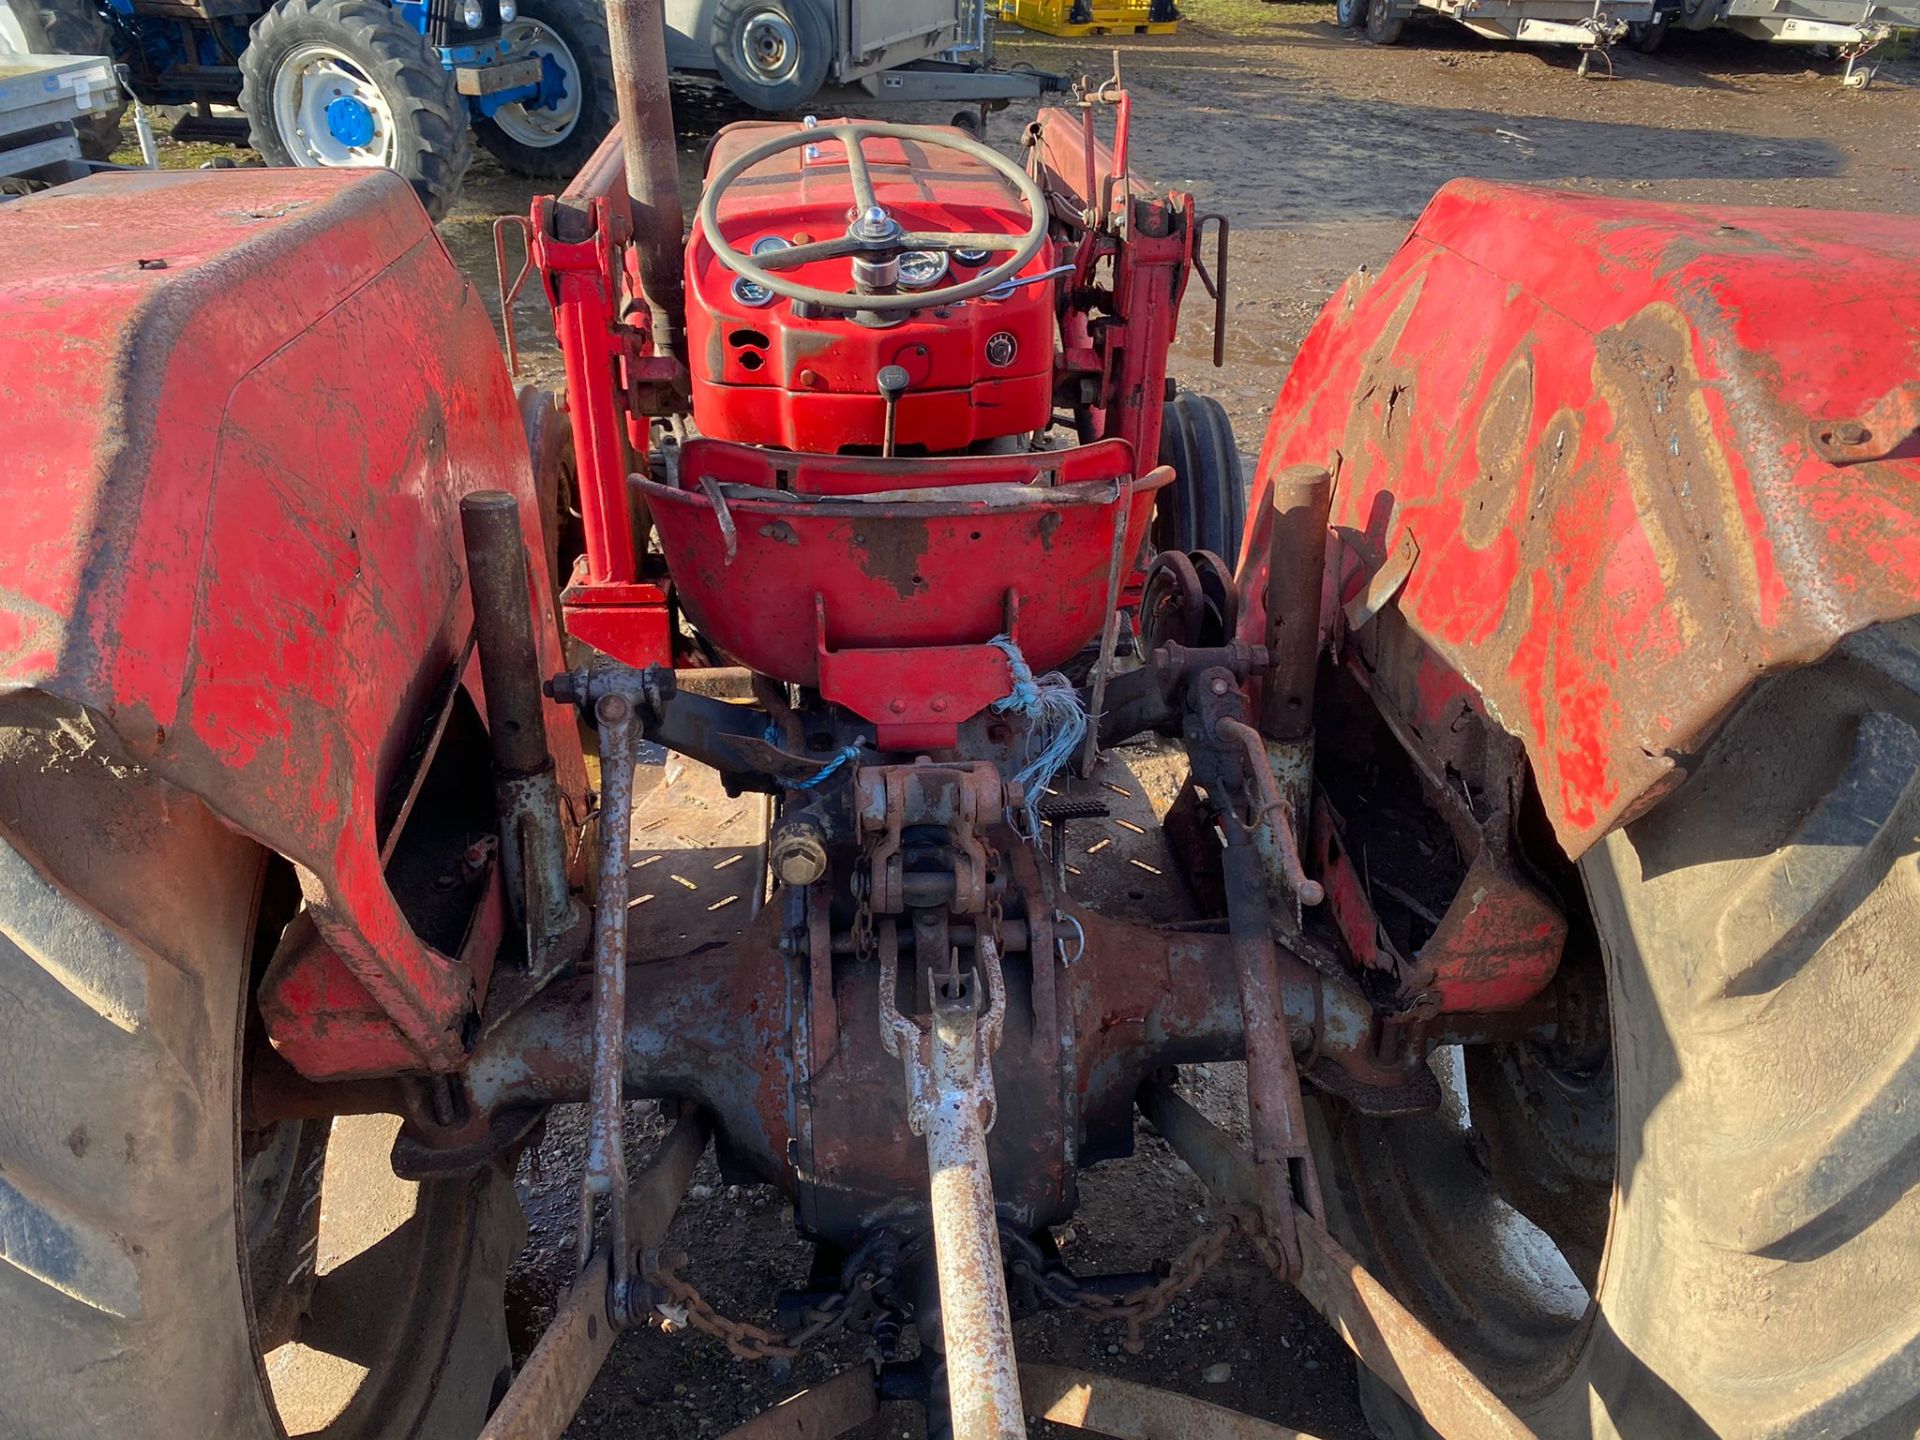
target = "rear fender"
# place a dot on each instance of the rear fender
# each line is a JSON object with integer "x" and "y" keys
{"x": 1601, "y": 420}
{"x": 1609, "y": 430}
{"x": 244, "y": 406}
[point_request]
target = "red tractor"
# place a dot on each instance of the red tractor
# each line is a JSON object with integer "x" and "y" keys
{"x": 1540, "y": 829}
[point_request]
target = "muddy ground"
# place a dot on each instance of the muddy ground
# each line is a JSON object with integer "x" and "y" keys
{"x": 1322, "y": 150}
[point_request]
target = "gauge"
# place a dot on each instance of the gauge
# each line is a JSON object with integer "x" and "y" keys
{"x": 751, "y": 292}
{"x": 971, "y": 257}
{"x": 1002, "y": 348}
{"x": 767, "y": 244}
{"x": 922, "y": 269}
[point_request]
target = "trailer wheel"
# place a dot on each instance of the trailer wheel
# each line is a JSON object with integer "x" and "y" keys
{"x": 1350, "y": 14}
{"x": 1733, "y": 1180}
{"x": 1649, "y": 36}
{"x": 170, "y": 1271}
{"x": 348, "y": 83}
{"x": 67, "y": 27}
{"x": 1383, "y": 26}
{"x": 551, "y": 141}
{"x": 1206, "y": 506}
{"x": 773, "y": 54}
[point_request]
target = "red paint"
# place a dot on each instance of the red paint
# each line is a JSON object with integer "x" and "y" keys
{"x": 886, "y": 606}
{"x": 1665, "y": 531}
{"x": 232, "y": 491}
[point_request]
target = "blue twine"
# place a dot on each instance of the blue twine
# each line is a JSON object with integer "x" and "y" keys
{"x": 1053, "y": 709}
{"x": 849, "y": 753}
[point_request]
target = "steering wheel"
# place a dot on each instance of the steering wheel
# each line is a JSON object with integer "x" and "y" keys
{"x": 873, "y": 231}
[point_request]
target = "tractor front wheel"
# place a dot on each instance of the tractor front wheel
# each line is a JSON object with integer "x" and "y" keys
{"x": 348, "y": 83}
{"x": 1206, "y": 506}
{"x": 1350, "y": 14}
{"x": 554, "y": 136}
{"x": 170, "y": 1267}
{"x": 1711, "y": 1226}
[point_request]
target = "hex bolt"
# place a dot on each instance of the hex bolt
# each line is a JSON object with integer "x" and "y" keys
{"x": 1851, "y": 432}
{"x": 798, "y": 854}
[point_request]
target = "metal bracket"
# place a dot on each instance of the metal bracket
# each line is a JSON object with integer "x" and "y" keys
{"x": 509, "y": 292}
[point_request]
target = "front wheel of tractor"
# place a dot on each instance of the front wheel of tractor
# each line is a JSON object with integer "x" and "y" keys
{"x": 554, "y": 137}
{"x": 349, "y": 84}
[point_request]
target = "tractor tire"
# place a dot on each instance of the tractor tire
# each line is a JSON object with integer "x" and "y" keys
{"x": 155, "y": 1246}
{"x": 555, "y": 143}
{"x": 1383, "y": 26}
{"x": 67, "y": 27}
{"x": 1350, "y": 14}
{"x": 302, "y": 52}
{"x": 1205, "y": 508}
{"x": 1733, "y": 1180}
{"x": 772, "y": 54}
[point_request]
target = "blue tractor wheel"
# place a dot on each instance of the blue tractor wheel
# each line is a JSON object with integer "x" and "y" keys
{"x": 348, "y": 83}
{"x": 553, "y": 134}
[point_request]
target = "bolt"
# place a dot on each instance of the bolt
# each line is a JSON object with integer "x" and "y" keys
{"x": 898, "y": 707}
{"x": 940, "y": 705}
{"x": 1220, "y": 685}
{"x": 1851, "y": 432}
{"x": 612, "y": 710}
{"x": 798, "y": 854}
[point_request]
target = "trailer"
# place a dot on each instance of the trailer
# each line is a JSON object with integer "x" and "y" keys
{"x": 781, "y": 54}
{"x": 1590, "y": 24}
{"x": 42, "y": 99}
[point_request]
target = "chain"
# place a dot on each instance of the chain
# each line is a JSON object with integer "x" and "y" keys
{"x": 1150, "y": 1301}
{"x": 743, "y": 1337}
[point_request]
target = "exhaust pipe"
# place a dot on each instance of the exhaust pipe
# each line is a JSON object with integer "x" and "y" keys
{"x": 637, "y": 30}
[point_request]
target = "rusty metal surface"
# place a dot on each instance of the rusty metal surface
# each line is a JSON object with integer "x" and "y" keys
{"x": 949, "y": 1077}
{"x": 637, "y": 40}
{"x": 1606, "y": 447}
{"x": 1128, "y": 1410}
{"x": 605, "y": 1172}
{"x": 531, "y": 838}
{"x": 1378, "y": 1329}
{"x": 820, "y": 1412}
{"x": 550, "y": 1386}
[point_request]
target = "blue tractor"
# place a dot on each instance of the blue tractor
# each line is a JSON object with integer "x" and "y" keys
{"x": 409, "y": 84}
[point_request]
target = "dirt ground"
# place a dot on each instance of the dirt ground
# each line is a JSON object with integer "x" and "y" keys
{"x": 1322, "y": 150}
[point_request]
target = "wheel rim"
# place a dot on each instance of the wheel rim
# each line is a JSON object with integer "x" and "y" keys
{"x": 538, "y": 125}
{"x": 767, "y": 47}
{"x": 1442, "y": 1205}
{"x": 329, "y": 112}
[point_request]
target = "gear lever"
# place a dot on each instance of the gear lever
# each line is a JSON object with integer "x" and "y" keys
{"x": 893, "y": 381}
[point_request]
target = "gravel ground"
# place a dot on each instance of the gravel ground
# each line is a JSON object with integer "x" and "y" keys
{"x": 1322, "y": 150}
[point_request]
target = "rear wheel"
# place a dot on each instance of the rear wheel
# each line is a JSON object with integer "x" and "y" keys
{"x": 556, "y": 138}
{"x": 349, "y": 84}
{"x": 1714, "y": 1229}
{"x": 67, "y": 27}
{"x": 1205, "y": 508}
{"x": 170, "y": 1272}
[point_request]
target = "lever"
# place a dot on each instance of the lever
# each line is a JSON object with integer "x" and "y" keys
{"x": 893, "y": 381}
